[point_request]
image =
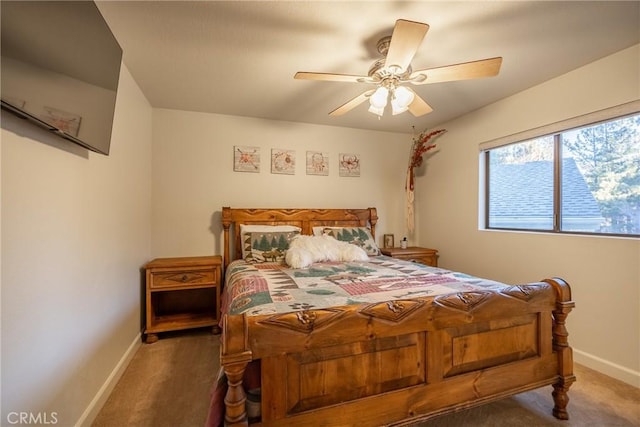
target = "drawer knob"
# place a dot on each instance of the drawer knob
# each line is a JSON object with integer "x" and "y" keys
{"x": 184, "y": 278}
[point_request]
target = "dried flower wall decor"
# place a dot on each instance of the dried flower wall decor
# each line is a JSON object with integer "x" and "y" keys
{"x": 421, "y": 144}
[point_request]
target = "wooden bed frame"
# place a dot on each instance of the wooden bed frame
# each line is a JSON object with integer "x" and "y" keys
{"x": 398, "y": 362}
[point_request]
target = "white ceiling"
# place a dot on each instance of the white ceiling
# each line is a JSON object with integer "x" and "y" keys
{"x": 239, "y": 57}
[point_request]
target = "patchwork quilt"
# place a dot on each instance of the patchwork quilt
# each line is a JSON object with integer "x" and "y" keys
{"x": 269, "y": 288}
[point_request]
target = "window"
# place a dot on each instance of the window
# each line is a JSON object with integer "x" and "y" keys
{"x": 582, "y": 180}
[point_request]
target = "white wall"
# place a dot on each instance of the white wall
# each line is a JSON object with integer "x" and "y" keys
{"x": 193, "y": 175}
{"x": 75, "y": 232}
{"x": 604, "y": 272}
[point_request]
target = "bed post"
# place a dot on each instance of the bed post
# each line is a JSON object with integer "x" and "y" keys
{"x": 373, "y": 219}
{"x": 564, "y": 305}
{"x": 235, "y": 413}
{"x": 234, "y": 357}
{"x": 226, "y": 223}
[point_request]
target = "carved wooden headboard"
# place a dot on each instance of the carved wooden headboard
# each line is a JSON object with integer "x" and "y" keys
{"x": 306, "y": 219}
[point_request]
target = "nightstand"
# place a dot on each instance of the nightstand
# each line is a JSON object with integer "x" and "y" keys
{"x": 424, "y": 256}
{"x": 182, "y": 293}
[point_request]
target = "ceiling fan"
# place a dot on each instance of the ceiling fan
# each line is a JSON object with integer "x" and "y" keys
{"x": 393, "y": 72}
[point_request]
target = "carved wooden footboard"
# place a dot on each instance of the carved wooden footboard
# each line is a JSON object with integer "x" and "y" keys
{"x": 397, "y": 362}
{"x": 402, "y": 360}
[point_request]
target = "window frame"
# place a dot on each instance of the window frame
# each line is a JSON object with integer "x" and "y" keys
{"x": 555, "y": 130}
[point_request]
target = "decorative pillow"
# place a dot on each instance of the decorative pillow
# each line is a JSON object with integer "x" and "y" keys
{"x": 247, "y": 242}
{"x": 269, "y": 247}
{"x": 359, "y": 236}
{"x": 305, "y": 250}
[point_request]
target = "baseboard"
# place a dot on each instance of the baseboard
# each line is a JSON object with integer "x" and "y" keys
{"x": 606, "y": 367}
{"x": 90, "y": 414}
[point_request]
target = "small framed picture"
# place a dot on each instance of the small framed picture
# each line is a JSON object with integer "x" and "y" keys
{"x": 388, "y": 241}
{"x": 283, "y": 161}
{"x": 349, "y": 165}
{"x": 317, "y": 163}
{"x": 246, "y": 159}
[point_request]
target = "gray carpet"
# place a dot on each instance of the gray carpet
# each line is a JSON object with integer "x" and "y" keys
{"x": 168, "y": 384}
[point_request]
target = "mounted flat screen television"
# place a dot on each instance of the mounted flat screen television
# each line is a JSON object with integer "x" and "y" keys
{"x": 60, "y": 69}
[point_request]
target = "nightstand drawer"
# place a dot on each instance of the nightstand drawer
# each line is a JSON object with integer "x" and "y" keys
{"x": 182, "y": 278}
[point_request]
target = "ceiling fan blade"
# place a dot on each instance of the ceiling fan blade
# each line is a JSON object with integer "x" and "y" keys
{"x": 468, "y": 70}
{"x": 405, "y": 41}
{"x": 350, "y": 105}
{"x": 303, "y": 75}
{"x": 418, "y": 106}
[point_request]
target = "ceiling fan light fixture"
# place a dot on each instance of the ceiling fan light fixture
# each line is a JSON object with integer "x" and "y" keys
{"x": 379, "y": 98}
{"x": 379, "y": 111}
{"x": 402, "y": 98}
{"x": 396, "y": 109}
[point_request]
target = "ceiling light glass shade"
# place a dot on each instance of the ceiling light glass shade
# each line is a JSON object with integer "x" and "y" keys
{"x": 395, "y": 109}
{"x": 403, "y": 97}
{"x": 379, "y": 97}
{"x": 376, "y": 110}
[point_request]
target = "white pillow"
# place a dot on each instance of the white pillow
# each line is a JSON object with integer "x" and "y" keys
{"x": 359, "y": 236}
{"x": 246, "y": 230}
{"x": 318, "y": 230}
{"x": 305, "y": 250}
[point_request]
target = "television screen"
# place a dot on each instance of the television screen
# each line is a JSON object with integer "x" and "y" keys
{"x": 60, "y": 68}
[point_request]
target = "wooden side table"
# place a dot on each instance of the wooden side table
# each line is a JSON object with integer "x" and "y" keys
{"x": 182, "y": 293}
{"x": 424, "y": 256}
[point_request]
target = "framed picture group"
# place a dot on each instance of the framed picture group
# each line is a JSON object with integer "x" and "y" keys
{"x": 283, "y": 161}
